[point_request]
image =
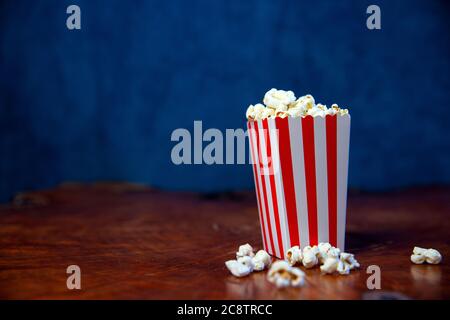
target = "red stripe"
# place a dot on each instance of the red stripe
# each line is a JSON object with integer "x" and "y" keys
{"x": 266, "y": 205}
{"x": 284, "y": 146}
{"x": 331, "y": 129}
{"x": 255, "y": 175}
{"x": 273, "y": 189}
{"x": 310, "y": 176}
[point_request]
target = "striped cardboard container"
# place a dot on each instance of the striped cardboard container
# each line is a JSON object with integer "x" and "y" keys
{"x": 300, "y": 166}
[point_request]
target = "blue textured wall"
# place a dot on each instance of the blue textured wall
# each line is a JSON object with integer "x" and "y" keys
{"x": 101, "y": 103}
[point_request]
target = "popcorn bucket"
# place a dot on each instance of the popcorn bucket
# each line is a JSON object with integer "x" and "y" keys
{"x": 300, "y": 166}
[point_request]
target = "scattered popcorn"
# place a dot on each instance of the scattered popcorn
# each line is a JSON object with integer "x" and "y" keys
{"x": 310, "y": 256}
{"x": 284, "y": 275}
{"x": 247, "y": 261}
{"x": 343, "y": 268}
{"x": 346, "y": 263}
{"x": 281, "y": 103}
{"x": 421, "y": 255}
{"x": 326, "y": 250}
{"x": 278, "y": 99}
{"x": 433, "y": 256}
{"x": 417, "y": 258}
{"x": 330, "y": 265}
{"x": 238, "y": 269}
{"x": 294, "y": 255}
{"x": 261, "y": 260}
{"x": 245, "y": 250}
{"x": 331, "y": 260}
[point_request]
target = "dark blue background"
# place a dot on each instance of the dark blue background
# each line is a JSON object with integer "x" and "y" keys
{"x": 101, "y": 103}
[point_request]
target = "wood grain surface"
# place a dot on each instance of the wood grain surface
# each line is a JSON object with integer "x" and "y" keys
{"x": 133, "y": 242}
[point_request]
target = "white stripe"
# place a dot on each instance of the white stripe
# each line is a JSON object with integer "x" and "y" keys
{"x": 266, "y": 178}
{"x": 298, "y": 168}
{"x": 257, "y": 190}
{"x": 343, "y": 143}
{"x": 279, "y": 186}
{"x": 258, "y": 173}
{"x": 320, "y": 150}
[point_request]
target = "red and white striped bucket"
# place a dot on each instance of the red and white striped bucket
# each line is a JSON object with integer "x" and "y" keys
{"x": 300, "y": 166}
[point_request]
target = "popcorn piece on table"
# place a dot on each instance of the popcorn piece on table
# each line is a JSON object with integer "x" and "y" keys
{"x": 239, "y": 268}
{"x": 421, "y": 255}
{"x": 330, "y": 265}
{"x": 261, "y": 260}
{"x": 284, "y": 275}
{"x": 277, "y": 99}
{"x": 294, "y": 255}
{"x": 310, "y": 256}
{"x": 245, "y": 250}
{"x": 346, "y": 263}
{"x": 247, "y": 261}
{"x": 326, "y": 250}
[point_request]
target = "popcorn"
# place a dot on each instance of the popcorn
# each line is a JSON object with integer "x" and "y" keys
{"x": 315, "y": 111}
{"x": 294, "y": 255}
{"x": 250, "y": 114}
{"x": 261, "y": 260}
{"x": 296, "y": 112}
{"x": 304, "y": 102}
{"x": 267, "y": 113}
{"x": 346, "y": 263}
{"x": 247, "y": 261}
{"x": 321, "y": 107}
{"x": 284, "y": 275}
{"x": 330, "y": 265}
{"x": 417, "y": 258}
{"x": 238, "y": 269}
{"x": 245, "y": 250}
{"x": 310, "y": 256}
{"x": 258, "y": 110}
{"x": 420, "y": 255}
{"x": 433, "y": 256}
{"x": 282, "y": 104}
{"x": 277, "y": 99}
{"x": 326, "y": 250}
{"x": 282, "y": 114}
{"x": 332, "y": 111}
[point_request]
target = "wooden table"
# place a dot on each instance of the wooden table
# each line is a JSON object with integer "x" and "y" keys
{"x": 133, "y": 242}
